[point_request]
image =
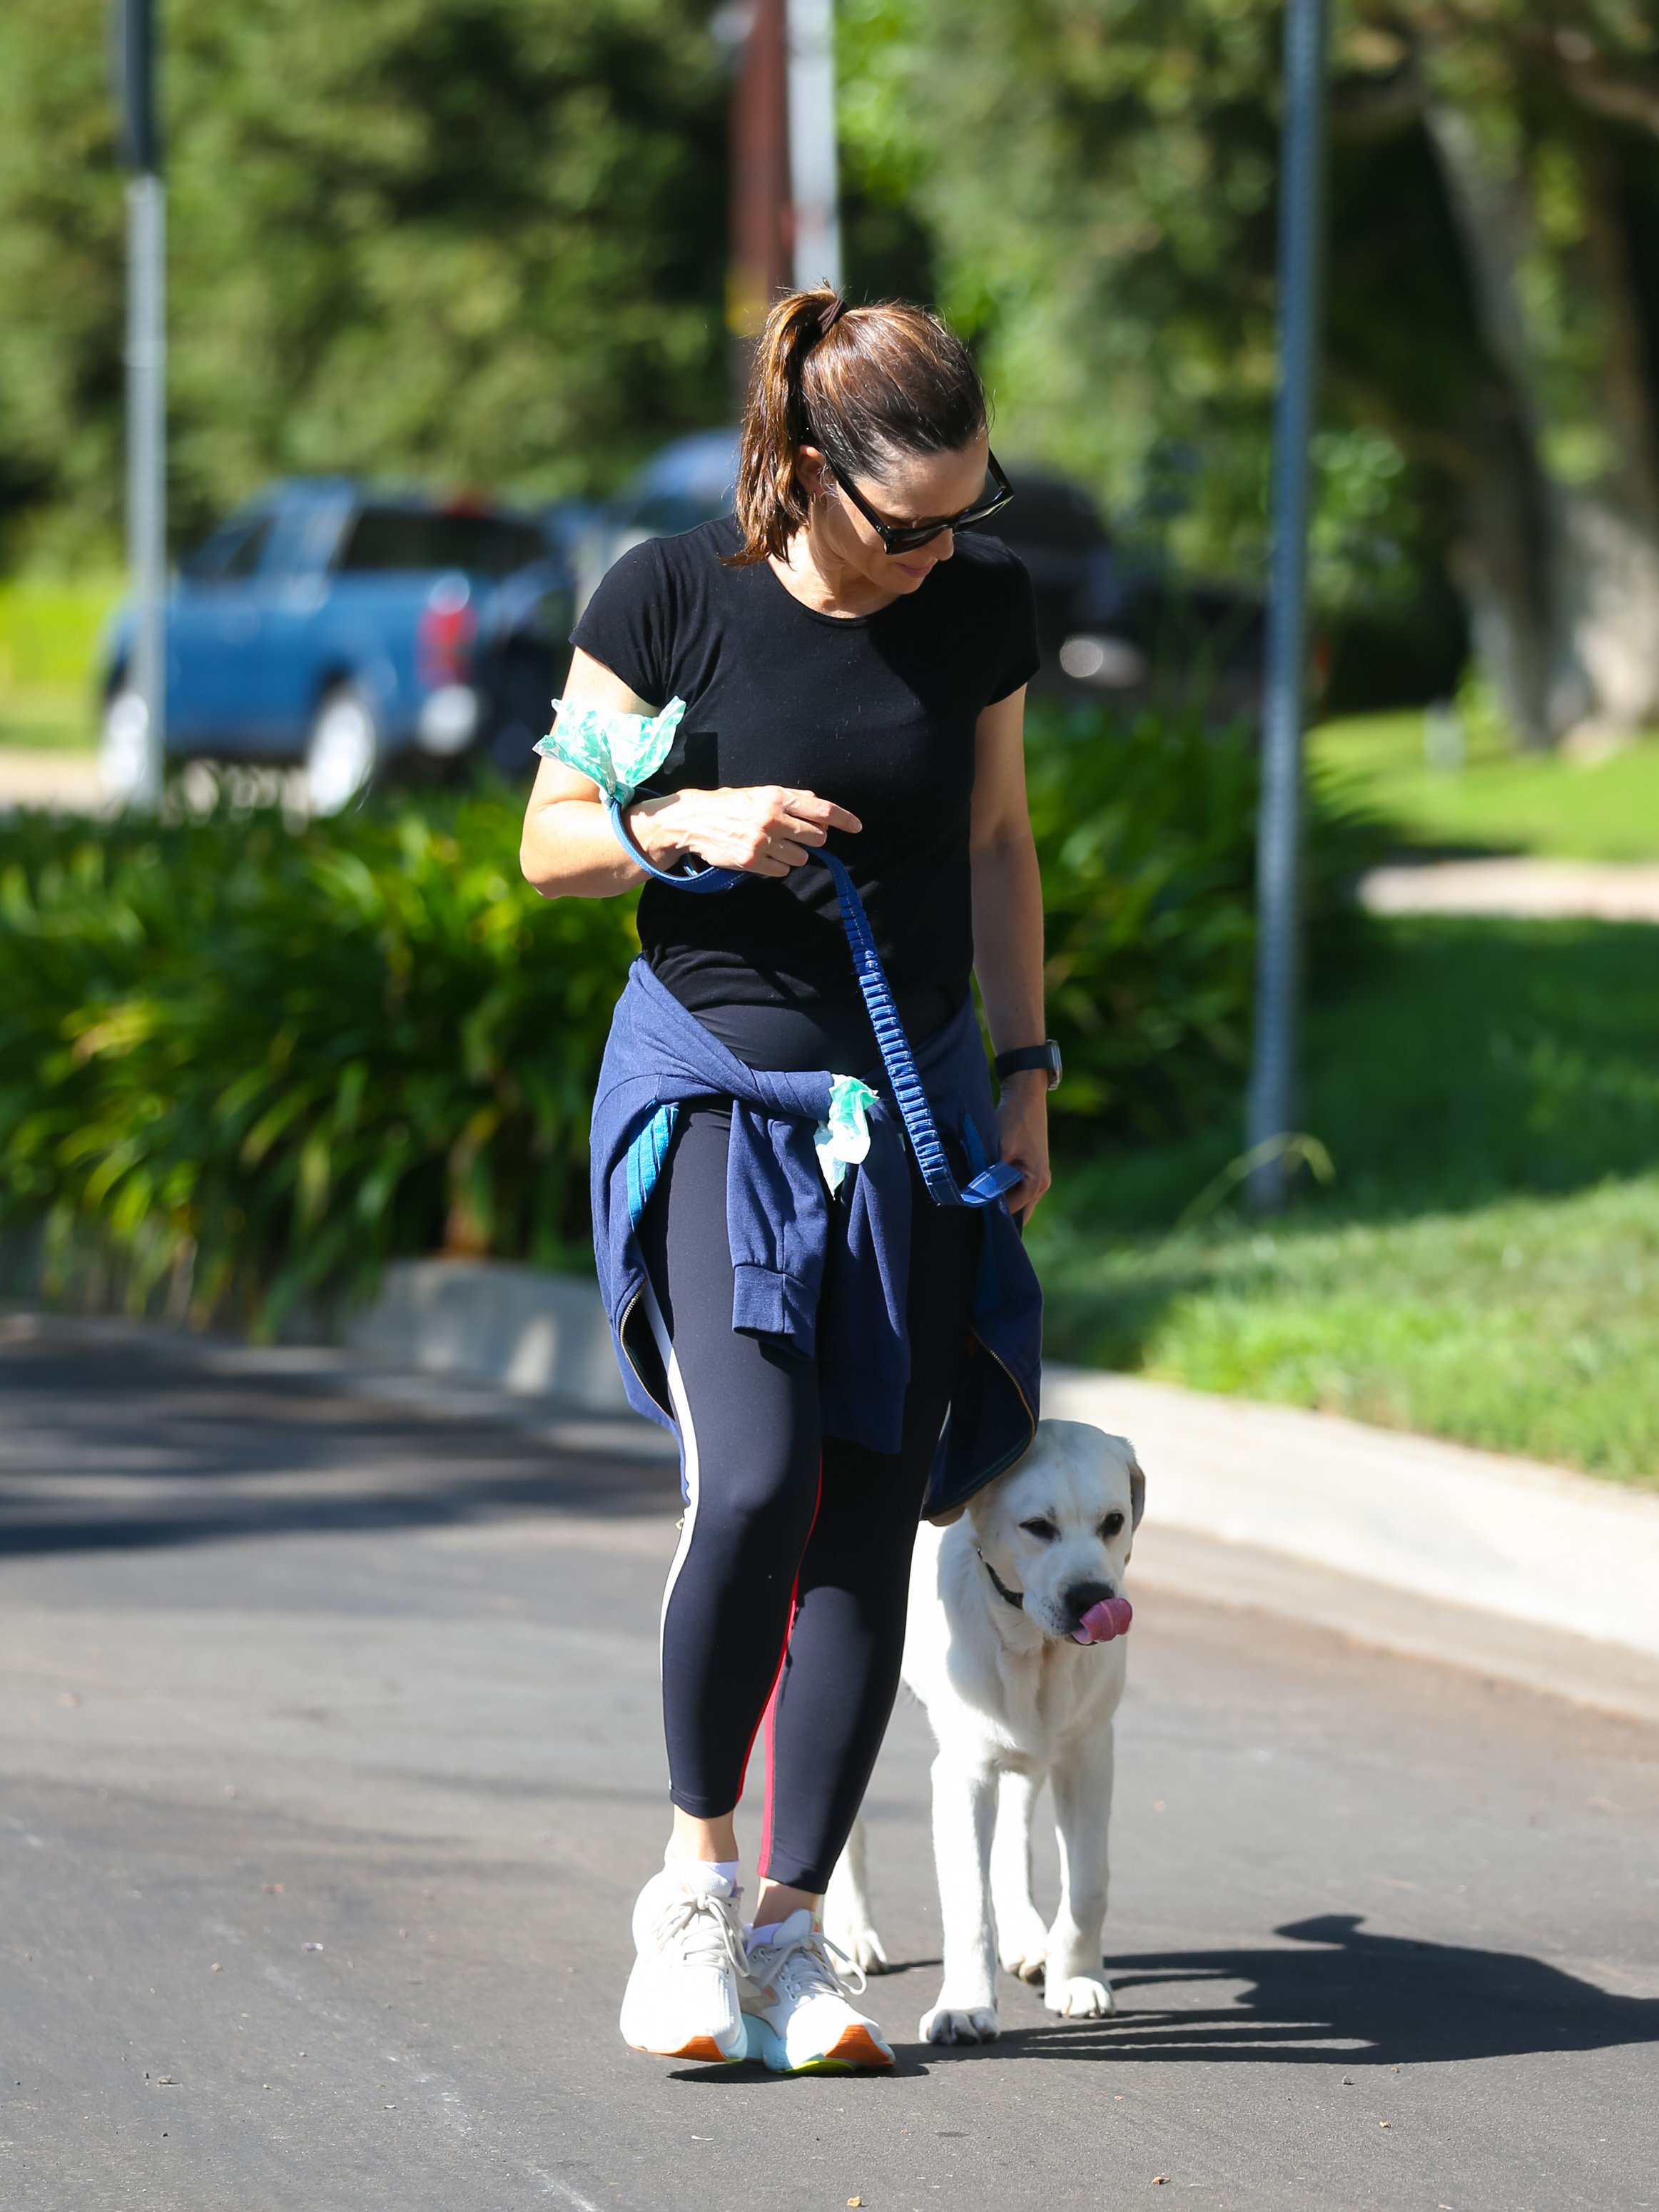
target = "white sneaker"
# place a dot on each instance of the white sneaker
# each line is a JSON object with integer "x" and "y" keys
{"x": 799, "y": 2022}
{"x": 681, "y": 1996}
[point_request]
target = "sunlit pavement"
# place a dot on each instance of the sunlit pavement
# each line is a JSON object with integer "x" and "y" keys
{"x": 37, "y": 776}
{"x": 1516, "y": 887}
{"x": 331, "y": 1768}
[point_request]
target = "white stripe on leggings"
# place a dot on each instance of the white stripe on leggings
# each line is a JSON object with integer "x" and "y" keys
{"x": 688, "y": 1467}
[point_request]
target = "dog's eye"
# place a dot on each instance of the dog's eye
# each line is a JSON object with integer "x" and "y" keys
{"x": 1112, "y": 1525}
{"x": 1044, "y": 1530}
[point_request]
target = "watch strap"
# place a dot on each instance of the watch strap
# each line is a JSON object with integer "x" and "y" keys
{"x": 1045, "y": 1055}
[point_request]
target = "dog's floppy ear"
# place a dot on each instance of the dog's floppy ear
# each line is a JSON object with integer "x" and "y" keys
{"x": 953, "y": 1513}
{"x": 1137, "y": 1492}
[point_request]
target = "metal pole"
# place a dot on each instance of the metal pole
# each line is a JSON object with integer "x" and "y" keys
{"x": 1274, "y": 1099}
{"x": 146, "y": 468}
{"x": 813, "y": 183}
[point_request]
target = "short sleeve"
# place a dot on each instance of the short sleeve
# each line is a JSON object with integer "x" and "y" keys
{"x": 628, "y": 623}
{"x": 1021, "y": 658}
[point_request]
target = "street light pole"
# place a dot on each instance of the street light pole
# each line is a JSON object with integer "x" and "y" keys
{"x": 146, "y": 465}
{"x": 1274, "y": 1095}
{"x": 146, "y": 363}
{"x": 813, "y": 183}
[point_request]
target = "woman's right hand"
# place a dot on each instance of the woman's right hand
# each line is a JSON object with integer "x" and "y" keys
{"x": 763, "y": 828}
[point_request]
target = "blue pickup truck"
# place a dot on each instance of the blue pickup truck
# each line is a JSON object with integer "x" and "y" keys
{"x": 344, "y": 630}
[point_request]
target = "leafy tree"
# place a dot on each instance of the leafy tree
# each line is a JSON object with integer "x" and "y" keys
{"x": 1099, "y": 176}
{"x": 1544, "y": 124}
{"x": 482, "y": 240}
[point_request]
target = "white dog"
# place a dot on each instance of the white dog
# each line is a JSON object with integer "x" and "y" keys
{"x": 997, "y": 1599}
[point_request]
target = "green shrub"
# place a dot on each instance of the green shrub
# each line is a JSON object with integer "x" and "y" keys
{"x": 263, "y": 1062}
{"x": 258, "y": 1063}
{"x": 1145, "y": 832}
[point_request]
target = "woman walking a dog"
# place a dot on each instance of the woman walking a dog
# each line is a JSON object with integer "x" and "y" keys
{"x": 807, "y": 1247}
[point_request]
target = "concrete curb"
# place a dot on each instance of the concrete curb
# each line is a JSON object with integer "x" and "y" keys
{"x": 1516, "y": 1570}
{"x": 1504, "y": 1536}
{"x": 1471, "y": 1529}
{"x": 1176, "y": 1562}
{"x": 518, "y": 1329}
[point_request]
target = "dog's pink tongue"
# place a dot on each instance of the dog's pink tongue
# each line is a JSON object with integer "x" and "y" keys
{"x": 1102, "y": 1622}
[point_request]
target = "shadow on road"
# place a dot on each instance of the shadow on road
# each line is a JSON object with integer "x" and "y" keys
{"x": 1348, "y": 1999}
{"x": 1361, "y": 1999}
{"x": 110, "y": 1448}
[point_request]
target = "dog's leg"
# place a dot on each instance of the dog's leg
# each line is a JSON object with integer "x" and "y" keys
{"x": 847, "y": 1919}
{"x": 1075, "y": 1984}
{"x": 1022, "y": 1936}
{"x": 964, "y": 1813}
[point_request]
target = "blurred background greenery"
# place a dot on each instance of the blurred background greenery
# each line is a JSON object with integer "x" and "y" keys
{"x": 484, "y": 242}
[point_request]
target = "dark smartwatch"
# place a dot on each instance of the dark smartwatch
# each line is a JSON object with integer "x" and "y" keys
{"x": 1044, "y": 1055}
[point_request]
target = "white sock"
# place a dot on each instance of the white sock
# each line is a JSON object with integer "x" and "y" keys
{"x": 729, "y": 1868}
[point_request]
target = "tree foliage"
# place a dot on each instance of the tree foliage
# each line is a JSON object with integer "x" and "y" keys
{"x": 477, "y": 239}
{"x": 1099, "y": 176}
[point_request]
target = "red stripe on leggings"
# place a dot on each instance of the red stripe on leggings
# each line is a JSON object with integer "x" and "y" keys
{"x": 768, "y": 1717}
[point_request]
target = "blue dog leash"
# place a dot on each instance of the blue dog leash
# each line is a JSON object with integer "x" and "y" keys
{"x": 990, "y": 1182}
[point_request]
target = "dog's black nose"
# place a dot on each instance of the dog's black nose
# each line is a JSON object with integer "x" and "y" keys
{"x": 1081, "y": 1595}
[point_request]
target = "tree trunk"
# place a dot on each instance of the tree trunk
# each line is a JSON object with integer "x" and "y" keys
{"x": 1541, "y": 229}
{"x": 1499, "y": 563}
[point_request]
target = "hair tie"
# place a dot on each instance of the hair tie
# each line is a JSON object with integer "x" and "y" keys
{"x": 831, "y": 315}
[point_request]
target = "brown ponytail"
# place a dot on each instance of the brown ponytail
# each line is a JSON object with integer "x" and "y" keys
{"x": 864, "y": 385}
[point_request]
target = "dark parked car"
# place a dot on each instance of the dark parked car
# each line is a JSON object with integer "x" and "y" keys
{"x": 1105, "y": 623}
{"x": 346, "y": 628}
{"x": 687, "y": 483}
{"x": 1109, "y": 622}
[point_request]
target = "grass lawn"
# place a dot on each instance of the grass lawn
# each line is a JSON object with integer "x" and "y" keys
{"x": 1500, "y": 800}
{"x": 1485, "y": 1264}
{"x": 49, "y": 635}
{"x": 48, "y": 717}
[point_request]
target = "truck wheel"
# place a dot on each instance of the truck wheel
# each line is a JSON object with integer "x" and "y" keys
{"x": 340, "y": 752}
{"x": 121, "y": 755}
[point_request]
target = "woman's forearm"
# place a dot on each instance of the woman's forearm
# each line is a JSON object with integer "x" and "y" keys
{"x": 568, "y": 850}
{"x": 1008, "y": 940}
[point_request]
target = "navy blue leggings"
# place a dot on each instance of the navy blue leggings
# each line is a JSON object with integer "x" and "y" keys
{"x": 796, "y": 1547}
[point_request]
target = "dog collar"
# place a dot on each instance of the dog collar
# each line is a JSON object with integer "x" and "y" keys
{"x": 1015, "y": 1598}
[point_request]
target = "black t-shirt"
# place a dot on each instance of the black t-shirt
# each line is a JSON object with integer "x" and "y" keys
{"x": 875, "y": 711}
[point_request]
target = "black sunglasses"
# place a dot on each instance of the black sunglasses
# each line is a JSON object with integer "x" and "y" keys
{"x": 906, "y": 536}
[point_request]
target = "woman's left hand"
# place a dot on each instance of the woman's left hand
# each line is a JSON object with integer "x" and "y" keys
{"x": 1023, "y": 1122}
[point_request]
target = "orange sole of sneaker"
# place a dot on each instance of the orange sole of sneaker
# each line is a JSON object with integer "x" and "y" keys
{"x": 856, "y": 2048}
{"x": 700, "y": 2046}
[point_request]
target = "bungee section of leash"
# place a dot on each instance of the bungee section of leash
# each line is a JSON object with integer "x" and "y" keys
{"x": 989, "y": 1184}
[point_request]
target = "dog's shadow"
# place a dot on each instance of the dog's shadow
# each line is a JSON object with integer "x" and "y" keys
{"x": 1341, "y": 1996}
{"x": 1344, "y": 1994}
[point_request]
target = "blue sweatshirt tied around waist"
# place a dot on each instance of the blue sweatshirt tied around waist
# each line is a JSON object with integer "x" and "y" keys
{"x": 781, "y": 1219}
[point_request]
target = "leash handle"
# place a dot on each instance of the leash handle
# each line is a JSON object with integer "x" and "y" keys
{"x": 687, "y": 877}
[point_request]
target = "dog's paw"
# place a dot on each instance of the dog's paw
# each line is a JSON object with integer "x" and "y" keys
{"x": 1085, "y": 1996}
{"x": 1026, "y": 1965}
{"x": 864, "y": 1947}
{"x": 942, "y": 2025}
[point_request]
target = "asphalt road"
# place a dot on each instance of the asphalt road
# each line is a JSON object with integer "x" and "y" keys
{"x": 331, "y": 1768}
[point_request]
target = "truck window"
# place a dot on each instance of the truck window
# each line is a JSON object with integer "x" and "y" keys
{"x": 402, "y": 538}
{"x": 234, "y": 552}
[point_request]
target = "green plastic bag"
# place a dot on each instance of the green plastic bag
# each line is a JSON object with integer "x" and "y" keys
{"x": 842, "y": 1141}
{"x": 619, "y": 752}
